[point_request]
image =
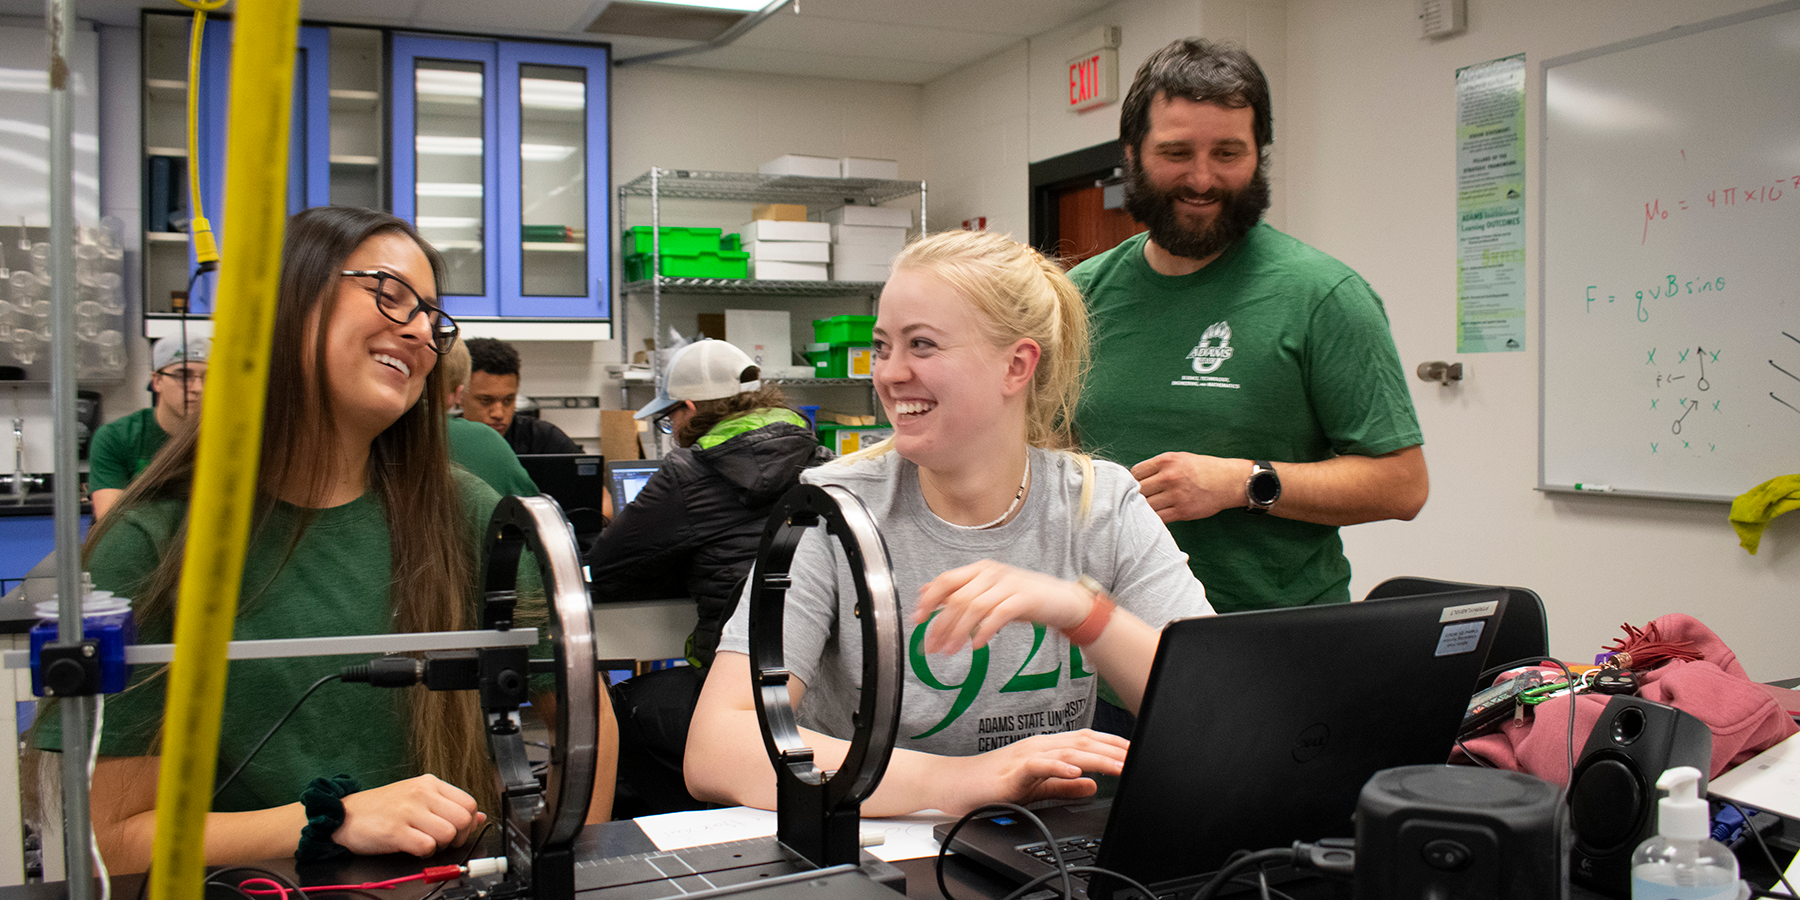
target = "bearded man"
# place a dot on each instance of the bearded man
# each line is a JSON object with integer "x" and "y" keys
{"x": 1249, "y": 380}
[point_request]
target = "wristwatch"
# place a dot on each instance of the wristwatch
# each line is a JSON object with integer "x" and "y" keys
{"x": 1262, "y": 488}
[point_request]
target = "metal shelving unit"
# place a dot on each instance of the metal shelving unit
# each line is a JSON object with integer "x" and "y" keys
{"x": 816, "y": 194}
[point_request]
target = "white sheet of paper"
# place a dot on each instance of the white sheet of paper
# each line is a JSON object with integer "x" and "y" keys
{"x": 904, "y": 837}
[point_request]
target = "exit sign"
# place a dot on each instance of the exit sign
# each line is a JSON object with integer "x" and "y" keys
{"x": 1093, "y": 79}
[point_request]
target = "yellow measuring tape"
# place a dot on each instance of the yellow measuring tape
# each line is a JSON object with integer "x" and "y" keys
{"x": 262, "y": 75}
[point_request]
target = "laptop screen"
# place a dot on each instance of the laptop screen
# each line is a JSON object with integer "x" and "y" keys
{"x": 628, "y": 476}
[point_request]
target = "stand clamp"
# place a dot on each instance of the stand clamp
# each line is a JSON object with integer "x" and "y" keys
{"x": 540, "y": 822}
{"x": 818, "y": 812}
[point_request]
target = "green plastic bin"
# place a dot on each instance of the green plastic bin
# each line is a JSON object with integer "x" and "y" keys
{"x": 847, "y": 439}
{"x": 701, "y": 264}
{"x": 674, "y": 240}
{"x": 844, "y": 331}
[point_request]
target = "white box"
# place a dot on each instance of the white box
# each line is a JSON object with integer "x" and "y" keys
{"x": 888, "y": 216}
{"x": 763, "y": 335}
{"x": 891, "y": 239}
{"x": 860, "y": 167}
{"x": 842, "y": 272}
{"x": 810, "y": 166}
{"x": 864, "y": 255}
{"x": 775, "y": 270}
{"x": 789, "y": 251}
{"x": 772, "y": 230}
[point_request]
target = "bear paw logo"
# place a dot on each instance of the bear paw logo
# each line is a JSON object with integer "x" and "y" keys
{"x": 1207, "y": 356}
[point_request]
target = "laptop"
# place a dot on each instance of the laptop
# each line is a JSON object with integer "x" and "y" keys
{"x": 573, "y": 480}
{"x": 628, "y": 476}
{"x": 1259, "y": 729}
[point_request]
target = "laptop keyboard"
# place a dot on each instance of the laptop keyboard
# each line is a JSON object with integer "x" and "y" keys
{"x": 1078, "y": 851}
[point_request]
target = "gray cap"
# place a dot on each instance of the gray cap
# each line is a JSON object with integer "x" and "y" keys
{"x": 169, "y": 351}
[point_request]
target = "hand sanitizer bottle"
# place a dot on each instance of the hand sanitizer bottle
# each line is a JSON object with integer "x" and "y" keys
{"x": 1683, "y": 862}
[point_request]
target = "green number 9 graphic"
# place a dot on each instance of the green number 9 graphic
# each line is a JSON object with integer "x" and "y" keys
{"x": 966, "y": 689}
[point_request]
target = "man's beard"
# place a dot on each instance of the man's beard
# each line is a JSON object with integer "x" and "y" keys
{"x": 1239, "y": 211}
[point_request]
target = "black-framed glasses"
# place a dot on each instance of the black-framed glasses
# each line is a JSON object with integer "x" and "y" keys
{"x": 665, "y": 424}
{"x": 399, "y": 303}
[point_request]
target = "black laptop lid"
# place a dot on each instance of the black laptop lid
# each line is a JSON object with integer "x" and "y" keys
{"x": 574, "y": 480}
{"x": 1259, "y": 728}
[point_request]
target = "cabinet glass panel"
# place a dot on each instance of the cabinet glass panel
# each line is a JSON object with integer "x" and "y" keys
{"x": 448, "y": 182}
{"x": 552, "y": 181}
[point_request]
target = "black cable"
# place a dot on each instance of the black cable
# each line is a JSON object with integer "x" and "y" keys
{"x": 1062, "y": 865}
{"x": 277, "y": 727}
{"x": 1750, "y": 826}
{"x": 1039, "y": 881}
{"x": 1538, "y": 661}
{"x": 1237, "y": 864}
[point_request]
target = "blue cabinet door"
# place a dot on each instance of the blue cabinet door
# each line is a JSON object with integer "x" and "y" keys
{"x": 445, "y": 163}
{"x": 554, "y": 166}
{"x": 501, "y": 160}
{"x": 309, "y": 147}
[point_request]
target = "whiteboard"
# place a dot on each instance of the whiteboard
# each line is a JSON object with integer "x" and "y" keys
{"x": 1670, "y": 248}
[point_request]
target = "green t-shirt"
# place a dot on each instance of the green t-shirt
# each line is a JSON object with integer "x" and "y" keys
{"x": 482, "y": 450}
{"x": 335, "y": 583}
{"x": 122, "y": 448}
{"x": 1274, "y": 351}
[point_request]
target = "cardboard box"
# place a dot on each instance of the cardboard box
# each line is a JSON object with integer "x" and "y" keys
{"x": 763, "y": 335}
{"x": 766, "y": 230}
{"x": 810, "y": 166}
{"x": 779, "y": 212}
{"x": 711, "y": 324}
{"x": 892, "y": 239}
{"x": 862, "y": 167}
{"x": 619, "y": 435}
{"x": 776, "y": 270}
{"x": 842, "y": 272}
{"x": 857, "y": 255}
{"x": 889, "y": 216}
{"x": 789, "y": 251}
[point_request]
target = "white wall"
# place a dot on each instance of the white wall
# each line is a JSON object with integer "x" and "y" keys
{"x": 1371, "y": 176}
{"x": 1364, "y": 125}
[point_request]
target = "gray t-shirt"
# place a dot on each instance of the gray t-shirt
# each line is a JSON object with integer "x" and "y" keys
{"x": 1029, "y": 680}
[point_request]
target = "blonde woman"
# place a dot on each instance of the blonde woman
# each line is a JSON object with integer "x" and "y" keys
{"x": 1026, "y": 572}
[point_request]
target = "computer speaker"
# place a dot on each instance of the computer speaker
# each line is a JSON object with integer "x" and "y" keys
{"x": 1461, "y": 832}
{"x": 1612, "y": 796}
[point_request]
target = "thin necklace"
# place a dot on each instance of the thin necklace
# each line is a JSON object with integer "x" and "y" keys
{"x": 1009, "y": 509}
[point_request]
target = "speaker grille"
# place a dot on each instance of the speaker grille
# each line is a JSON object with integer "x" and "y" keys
{"x": 1607, "y": 805}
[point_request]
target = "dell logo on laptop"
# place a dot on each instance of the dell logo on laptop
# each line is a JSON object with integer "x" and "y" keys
{"x": 1311, "y": 742}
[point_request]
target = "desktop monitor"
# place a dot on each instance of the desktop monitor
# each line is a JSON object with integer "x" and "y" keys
{"x": 573, "y": 480}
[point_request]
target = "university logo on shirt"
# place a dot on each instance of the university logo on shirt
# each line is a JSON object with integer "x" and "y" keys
{"x": 1207, "y": 355}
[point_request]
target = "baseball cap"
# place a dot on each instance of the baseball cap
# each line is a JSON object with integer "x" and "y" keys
{"x": 703, "y": 370}
{"x": 169, "y": 351}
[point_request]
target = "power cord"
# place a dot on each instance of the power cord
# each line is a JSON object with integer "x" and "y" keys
{"x": 1063, "y": 871}
{"x": 1335, "y": 855}
{"x": 271, "y": 733}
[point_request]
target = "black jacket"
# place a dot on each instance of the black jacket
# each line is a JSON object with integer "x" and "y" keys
{"x": 694, "y": 528}
{"x": 531, "y": 435}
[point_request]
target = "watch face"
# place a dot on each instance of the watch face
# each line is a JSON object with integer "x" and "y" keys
{"x": 1265, "y": 487}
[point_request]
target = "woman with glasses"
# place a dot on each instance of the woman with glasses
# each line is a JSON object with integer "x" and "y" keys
{"x": 361, "y": 526}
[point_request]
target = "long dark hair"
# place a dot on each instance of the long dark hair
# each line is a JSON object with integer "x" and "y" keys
{"x": 408, "y": 475}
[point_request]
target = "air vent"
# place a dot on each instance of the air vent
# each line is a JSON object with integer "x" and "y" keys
{"x": 662, "y": 21}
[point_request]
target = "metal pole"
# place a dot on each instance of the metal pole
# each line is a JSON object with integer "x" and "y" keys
{"x": 77, "y": 712}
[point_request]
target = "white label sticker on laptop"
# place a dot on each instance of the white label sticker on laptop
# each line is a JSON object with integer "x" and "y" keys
{"x": 1457, "y": 639}
{"x": 1468, "y": 611}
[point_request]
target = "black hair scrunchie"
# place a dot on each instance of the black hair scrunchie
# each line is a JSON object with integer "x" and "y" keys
{"x": 324, "y": 802}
